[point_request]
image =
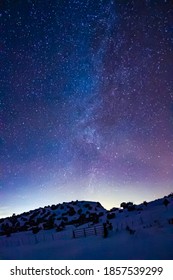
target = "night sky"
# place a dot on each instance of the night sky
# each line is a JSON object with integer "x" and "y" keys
{"x": 86, "y": 108}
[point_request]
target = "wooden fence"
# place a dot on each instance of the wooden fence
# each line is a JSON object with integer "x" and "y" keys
{"x": 84, "y": 232}
{"x": 28, "y": 238}
{"x": 31, "y": 239}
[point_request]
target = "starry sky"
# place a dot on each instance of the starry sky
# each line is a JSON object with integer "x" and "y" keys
{"x": 86, "y": 102}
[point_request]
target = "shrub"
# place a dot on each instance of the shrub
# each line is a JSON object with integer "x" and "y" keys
{"x": 110, "y": 216}
{"x": 35, "y": 230}
{"x": 79, "y": 211}
{"x": 145, "y": 203}
{"x": 114, "y": 209}
{"x": 166, "y": 202}
{"x": 98, "y": 204}
{"x": 49, "y": 224}
{"x": 86, "y": 205}
{"x": 65, "y": 219}
{"x": 93, "y": 217}
{"x": 71, "y": 211}
{"x": 123, "y": 205}
{"x": 54, "y": 207}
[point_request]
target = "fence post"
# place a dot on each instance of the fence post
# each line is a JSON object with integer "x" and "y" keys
{"x": 73, "y": 234}
{"x": 84, "y": 233}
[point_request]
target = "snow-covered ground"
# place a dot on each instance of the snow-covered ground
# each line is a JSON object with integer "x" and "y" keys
{"x": 144, "y": 233}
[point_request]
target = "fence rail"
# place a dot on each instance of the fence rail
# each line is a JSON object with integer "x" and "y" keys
{"x": 32, "y": 239}
{"x": 84, "y": 232}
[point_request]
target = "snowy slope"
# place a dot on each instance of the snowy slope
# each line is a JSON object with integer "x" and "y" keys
{"x": 143, "y": 232}
{"x": 55, "y": 216}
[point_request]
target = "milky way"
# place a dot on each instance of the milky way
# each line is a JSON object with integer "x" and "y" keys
{"x": 86, "y": 102}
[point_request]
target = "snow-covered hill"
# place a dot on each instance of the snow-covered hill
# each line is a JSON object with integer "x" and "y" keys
{"x": 142, "y": 231}
{"x": 55, "y": 216}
